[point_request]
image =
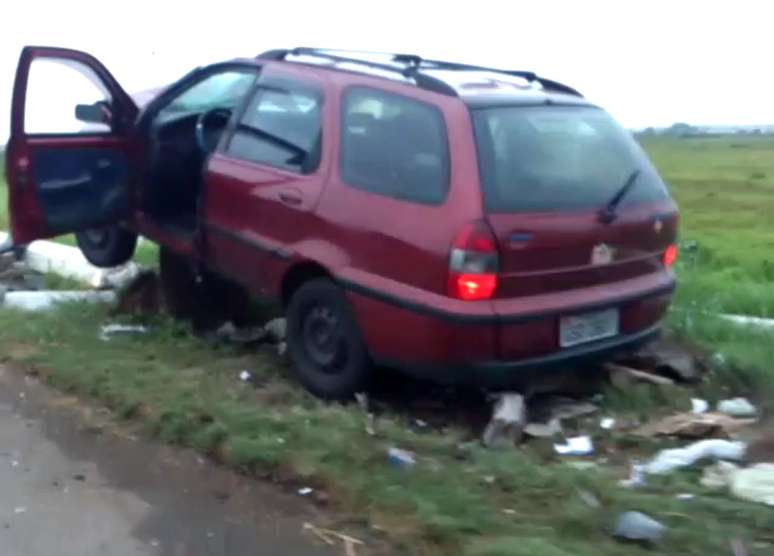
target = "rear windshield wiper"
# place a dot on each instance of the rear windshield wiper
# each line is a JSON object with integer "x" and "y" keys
{"x": 608, "y": 213}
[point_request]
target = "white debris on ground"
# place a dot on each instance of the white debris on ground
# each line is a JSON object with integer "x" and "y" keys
{"x": 575, "y": 446}
{"x": 669, "y": 460}
{"x": 737, "y": 407}
{"x": 40, "y": 300}
{"x": 699, "y": 406}
{"x": 508, "y": 420}
{"x": 636, "y": 526}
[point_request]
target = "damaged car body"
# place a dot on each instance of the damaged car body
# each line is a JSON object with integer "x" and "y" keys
{"x": 470, "y": 224}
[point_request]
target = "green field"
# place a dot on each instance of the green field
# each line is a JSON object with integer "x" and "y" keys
{"x": 461, "y": 498}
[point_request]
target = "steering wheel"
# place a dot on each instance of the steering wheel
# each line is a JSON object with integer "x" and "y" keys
{"x": 204, "y": 140}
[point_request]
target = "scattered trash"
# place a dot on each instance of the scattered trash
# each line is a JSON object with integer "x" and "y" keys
{"x": 14, "y": 463}
{"x": 636, "y": 526}
{"x": 622, "y": 376}
{"x": 362, "y": 400}
{"x": 636, "y": 478}
{"x": 685, "y": 496}
{"x": 305, "y": 491}
{"x": 544, "y": 430}
{"x": 19, "y": 510}
{"x": 420, "y": 424}
{"x": 699, "y": 406}
{"x": 276, "y": 329}
{"x": 607, "y": 423}
{"x": 401, "y": 458}
{"x": 328, "y": 536}
{"x": 754, "y": 484}
{"x": 154, "y": 543}
{"x": 245, "y": 376}
{"x": 581, "y": 465}
{"x": 718, "y": 475}
{"x": 737, "y": 407}
{"x": 489, "y": 479}
{"x": 363, "y": 403}
{"x": 575, "y": 446}
{"x": 509, "y": 511}
{"x": 282, "y": 349}
{"x": 508, "y": 420}
{"x": 109, "y": 330}
{"x": 667, "y": 461}
{"x": 693, "y": 425}
{"x": 39, "y": 300}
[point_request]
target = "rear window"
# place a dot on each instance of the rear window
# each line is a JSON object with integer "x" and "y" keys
{"x": 553, "y": 158}
{"x": 394, "y": 146}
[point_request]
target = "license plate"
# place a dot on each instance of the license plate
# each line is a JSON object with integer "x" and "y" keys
{"x": 579, "y": 329}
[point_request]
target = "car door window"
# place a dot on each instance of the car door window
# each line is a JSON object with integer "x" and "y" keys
{"x": 220, "y": 90}
{"x": 54, "y": 88}
{"x": 394, "y": 146}
{"x": 281, "y": 126}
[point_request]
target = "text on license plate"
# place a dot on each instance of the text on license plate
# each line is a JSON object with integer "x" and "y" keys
{"x": 587, "y": 327}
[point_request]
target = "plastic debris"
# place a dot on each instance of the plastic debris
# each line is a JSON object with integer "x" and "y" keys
{"x": 109, "y": 330}
{"x": 737, "y": 407}
{"x": 667, "y": 461}
{"x": 245, "y": 376}
{"x": 699, "y": 406}
{"x": 754, "y": 484}
{"x": 607, "y": 423}
{"x": 685, "y": 496}
{"x": 508, "y": 419}
{"x": 718, "y": 475}
{"x": 19, "y": 510}
{"x": 40, "y": 300}
{"x": 692, "y": 425}
{"x": 305, "y": 491}
{"x": 636, "y": 526}
{"x": 575, "y": 446}
{"x": 743, "y": 320}
{"x": 401, "y": 458}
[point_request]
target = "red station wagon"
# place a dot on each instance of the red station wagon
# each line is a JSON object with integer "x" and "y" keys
{"x": 470, "y": 224}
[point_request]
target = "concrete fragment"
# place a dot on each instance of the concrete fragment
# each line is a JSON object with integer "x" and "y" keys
{"x": 40, "y": 300}
{"x": 508, "y": 419}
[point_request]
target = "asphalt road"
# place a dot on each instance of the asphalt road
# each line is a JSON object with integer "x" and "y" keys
{"x": 73, "y": 485}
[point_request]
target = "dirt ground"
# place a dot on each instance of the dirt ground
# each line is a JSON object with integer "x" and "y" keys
{"x": 72, "y": 486}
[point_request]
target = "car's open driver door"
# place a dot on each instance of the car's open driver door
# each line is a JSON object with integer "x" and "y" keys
{"x": 65, "y": 175}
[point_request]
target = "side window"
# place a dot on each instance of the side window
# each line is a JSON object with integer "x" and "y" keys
{"x": 394, "y": 146}
{"x": 54, "y": 88}
{"x": 220, "y": 90}
{"x": 281, "y": 127}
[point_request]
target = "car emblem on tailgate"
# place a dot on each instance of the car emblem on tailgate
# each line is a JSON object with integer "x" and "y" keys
{"x": 601, "y": 254}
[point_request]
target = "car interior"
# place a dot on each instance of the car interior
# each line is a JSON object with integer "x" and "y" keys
{"x": 182, "y": 135}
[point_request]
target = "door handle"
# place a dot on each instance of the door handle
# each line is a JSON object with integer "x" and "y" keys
{"x": 290, "y": 197}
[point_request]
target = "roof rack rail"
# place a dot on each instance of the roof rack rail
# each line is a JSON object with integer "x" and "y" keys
{"x": 414, "y": 65}
{"x": 422, "y": 81}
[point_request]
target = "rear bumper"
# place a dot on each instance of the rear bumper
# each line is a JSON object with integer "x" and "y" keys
{"x": 518, "y": 374}
{"x": 490, "y": 347}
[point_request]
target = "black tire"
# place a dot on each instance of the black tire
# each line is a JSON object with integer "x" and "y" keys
{"x": 324, "y": 342}
{"x": 107, "y": 247}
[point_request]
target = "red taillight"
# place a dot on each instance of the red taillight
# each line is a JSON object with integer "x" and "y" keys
{"x": 473, "y": 263}
{"x": 670, "y": 255}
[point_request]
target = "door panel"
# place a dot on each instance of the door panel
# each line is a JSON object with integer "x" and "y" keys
{"x": 66, "y": 175}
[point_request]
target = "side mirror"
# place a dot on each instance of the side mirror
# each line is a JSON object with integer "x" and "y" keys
{"x": 97, "y": 113}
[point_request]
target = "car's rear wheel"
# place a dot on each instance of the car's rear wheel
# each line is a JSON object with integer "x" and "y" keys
{"x": 107, "y": 247}
{"x": 324, "y": 342}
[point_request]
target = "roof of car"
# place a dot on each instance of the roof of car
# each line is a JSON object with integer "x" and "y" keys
{"x": 477, "y": 86}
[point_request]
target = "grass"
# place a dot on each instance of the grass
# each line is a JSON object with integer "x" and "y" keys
{"x": 453, "y": 501}
{"x": 460, "y": 498}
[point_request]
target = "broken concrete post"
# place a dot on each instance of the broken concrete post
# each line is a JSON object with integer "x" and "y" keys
{"x": 39, "y": 300}
{"x": 509, "y": 417}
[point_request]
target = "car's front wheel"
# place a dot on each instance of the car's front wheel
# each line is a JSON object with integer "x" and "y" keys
{"x": 324, "y": 342}
{"x": 107, "y": 247}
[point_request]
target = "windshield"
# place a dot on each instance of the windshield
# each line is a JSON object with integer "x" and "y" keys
{"x": 552, "y": 158}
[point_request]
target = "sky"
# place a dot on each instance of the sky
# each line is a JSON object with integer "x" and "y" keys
{"x": 649, "y": 62}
